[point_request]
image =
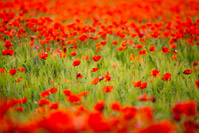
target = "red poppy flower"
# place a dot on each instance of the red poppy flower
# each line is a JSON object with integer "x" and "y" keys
{"x": 96, "y": 58}
{"x": 83, "y": 38}
{"x": 152, "y": 49}
{"x": 73, "y": 53}
{"x": 19, "y": 109}
{"x": 99, "y": 106}
{"x": 165, "y": 50}
{"x": 43, "y": 55}
{"x": 107, "y": 88}
{"x": 79, "y": 75}
{"x": 197, "y": 83}
{"x": 154, "y": 73}
{"x": 83, "y": 93}
{"x": 116, "y": 106}
{"x": 143, "y": 97}
{"x": 2, "y": 70}
{"x": 188, "y": 71}
{"x": 18, "y": 80}
{"x": 166, "y": 77}
{"x": 8, "y": 44}
{"x": 142, "y": 52}
{"x": 95, "y": 81}
{"x": 43, "y": 101}
{"x": 114, "y": 42}
{"x": 12, "y": 71}
{"x": 74, "y": 99}
{"x": 107, "y": 77}
{"x": 76, "y": 63}
{"x": 159, "y": 127}
{"x": 54, "y": 105}
{"x": 97, "y": 123}
{"x": 45, "y": 93}
{"x": 9, "y": 52}
{"x": 20, "y": 69}
{"x": 140, "y": 46}
{"x": 94, "y": 69}
{"x": 143, "y": 85}
{"x": 187, "y": 108}
{"x": 53, "y": 90}
{"x": 137, "y": 84}
{"x": 67, "y": 92}
{"x": 195, "y": 63}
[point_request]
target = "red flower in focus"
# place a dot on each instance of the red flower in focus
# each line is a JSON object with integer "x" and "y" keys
{"x": 2, "y": 70}
{"x": 21, "y": 69}
{"x": 94, "y": 69}
{"x": 99, "y": 106}
{"x": 107, "y": 89}
{"x": 165, "y": 50}
{"x": 79, "y": 75}
{"x": 154, "y": 73}
{"x": 8, "y": 44}
{"x": 197, "y": 83}
{"x": 43, "y": 101}
{"x": 45, "y": 93}
{"x": 12, "y": 71}
{"x": 9, "y": 52}
{"x": 76, "y": 63}
{"x": 143, "y": 85}
{"x": 96, "y": 58}
{"x": 43, "y": 55}
{"x": 53, "y": 90}
{"x": 166, "y": 77}
{"x": 188, "y": 71}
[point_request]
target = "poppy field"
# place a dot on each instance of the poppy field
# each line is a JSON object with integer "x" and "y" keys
{"x": 103, "y": 66}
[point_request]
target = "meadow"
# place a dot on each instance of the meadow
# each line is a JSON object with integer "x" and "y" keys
{"x": 100, "y": 66}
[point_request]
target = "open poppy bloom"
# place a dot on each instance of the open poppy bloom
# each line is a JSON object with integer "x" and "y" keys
{"x": 8, "y": 44}
{"x": 9, "y": 52}
{"x": 21, "y": 69}
{"x": 165, "y": 50}
{"x": 96, "y": 58}
{"x": 94, "y": 69}
{"x": 99, "y": 106}
{"x": 79, "y": 75}
{"x": 76, "y": 62}
{"x": 166, "y": 77}
{"x": 12, "y": 71}
{"x": 43, "y": 55}
{"x": 107, "y": 88}
{"x": 154, "y": 73}
{"x": 2, "y": 70}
